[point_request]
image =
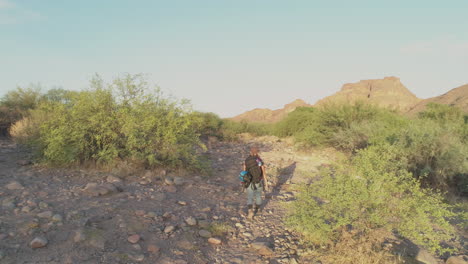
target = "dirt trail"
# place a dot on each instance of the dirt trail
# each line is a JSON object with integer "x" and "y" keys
{"x": 151, "y": 220}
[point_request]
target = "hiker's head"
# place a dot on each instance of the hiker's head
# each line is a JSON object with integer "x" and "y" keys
{"x": 254, "y": 151}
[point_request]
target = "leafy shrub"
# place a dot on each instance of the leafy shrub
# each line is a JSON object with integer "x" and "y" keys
{"x": 435, "y": 152}
{"x": 229, "y": 129}
{"x": 124, "y": 120}
{"x": 15, "y": 104}
{"x": 373, "y": 191}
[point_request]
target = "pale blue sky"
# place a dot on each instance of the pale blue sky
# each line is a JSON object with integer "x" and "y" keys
{"x": 230, "y": 56}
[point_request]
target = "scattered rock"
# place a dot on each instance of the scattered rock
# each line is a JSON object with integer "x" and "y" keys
{"x": 79, "y": 236}
{"x": 214, "y": 241}
{"x": 46, "y": 214}
{"x": 425, "y": 257}
{"x": 191, "y": 221}
{"x": 14, "y": 185}
{"x": 262, "y": 248}
{"x": 204, "y": 233}
{"x": 140, "y": 212}
{"x": 43, "y": 205}
{"x": 457, "y": 260}
{"x": 136, "y": 257}
{"x": 94, "y": 190}
{"x": 169, "y": 229}
{"x": 183, "y": 203}
{"x": 38, "y": 242}
{"x": 170, "y": 188}
{"x": 179, "y": 181}
{"x": 133, "y": 239}
{"x": 8, "y": 203}
{"x": 203, "y": 223}
{"x": 57, "y": 218}
{"x": 168, "y": 181}
{"x": 113, "y": 179}
{"x": 153, "y": 249}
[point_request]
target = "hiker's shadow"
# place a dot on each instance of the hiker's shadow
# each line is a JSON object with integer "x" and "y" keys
{"x": 285, "y": 175}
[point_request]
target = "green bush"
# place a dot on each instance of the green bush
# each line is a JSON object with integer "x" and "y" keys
{"x": 15, "y": 104}
{"x": 124, "y": 120}
{"x": 372, "y": 191}
{"x": 435, "y": 152}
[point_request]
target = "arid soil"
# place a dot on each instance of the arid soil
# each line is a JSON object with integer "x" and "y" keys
{"x": 82, "y": 216}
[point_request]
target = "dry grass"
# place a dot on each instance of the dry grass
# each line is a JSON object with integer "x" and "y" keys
{"x": 357, "y": 249}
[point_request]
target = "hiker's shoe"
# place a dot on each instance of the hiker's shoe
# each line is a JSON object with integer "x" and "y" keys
{"x": 256, "y": 209}
{"x": 250, "y": 214}
{"x": 250, "y": 211}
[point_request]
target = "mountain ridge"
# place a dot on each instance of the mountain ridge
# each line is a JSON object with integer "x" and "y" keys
{"x": 387, "y": 92}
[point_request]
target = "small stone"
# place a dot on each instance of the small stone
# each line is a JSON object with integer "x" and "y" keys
{"x": 262, "y": 248}
{"x": 168, "y": 181}
{"x": 8, "y": 203}
{"x": 169, "y": 229}
{"x": 183, "y": 203}
{"x": 14, "y": 185}
{"x": 178, "y": 181}
{"x": 425, "y": 257}
{"x": 153, "y": 249}
{"x": 113, "y": 179}
{"x": 133, "y": 239}
{"x": 57, "y": 218}
{"x": 204, "y": 233}
{"x": 247, "y": 234}
{"x": 137, "y": 257}
{"x": 214, "y": 241}
{"x": 140, "y": 212}
{"x": 26, "y": 209}
{"x": 46, "y": 214}
{"x": 170, "y": 188}
{"x": 79, "y": 236}
{"x": 137, "y": 247}
{"x": 456, "y": 260}
{"x": 151, "y": 215}
{"x": 203, "y": 223}
{"x": 206, "y": 209}
{"x": 191, "y": 221}
{"x": 38, "y": 242}
{"x": 43, "y": 205}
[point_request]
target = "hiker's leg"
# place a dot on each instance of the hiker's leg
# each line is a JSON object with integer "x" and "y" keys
{"x": 258, "y": 195}
{"x": 250, "y": 195}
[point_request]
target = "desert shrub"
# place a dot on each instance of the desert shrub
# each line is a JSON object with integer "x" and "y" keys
{"x": 443, "y": 113}
{"x": 229, "y": 129}
{"x": 125, "y": 120}
{"x": 435, "y": 152}
{"x": 372, "y": 191}
{"x": 209, "y": 124}
{"x": 15, "y": 104}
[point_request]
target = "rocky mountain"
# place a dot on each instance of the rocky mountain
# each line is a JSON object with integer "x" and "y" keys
{"x": 269, "y": 116}
{"x": 387, "y": 92}
{"x": 456, "y": 97}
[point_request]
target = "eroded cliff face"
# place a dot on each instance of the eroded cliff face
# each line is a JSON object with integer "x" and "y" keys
{"x": 387, "y": 92}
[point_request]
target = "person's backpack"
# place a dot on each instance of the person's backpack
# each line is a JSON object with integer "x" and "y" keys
{"x": 254, "y": 171}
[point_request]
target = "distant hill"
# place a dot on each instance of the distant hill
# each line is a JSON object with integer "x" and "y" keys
{"x": 387, "y": 92}
{"x": 265, "y": 115}
{"x": 455, "y": 97}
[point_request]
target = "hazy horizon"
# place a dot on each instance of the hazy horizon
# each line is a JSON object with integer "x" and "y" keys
{"x": 231, "y": 57}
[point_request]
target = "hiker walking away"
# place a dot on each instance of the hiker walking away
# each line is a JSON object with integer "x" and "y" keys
{"x": 255, "y": 168}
